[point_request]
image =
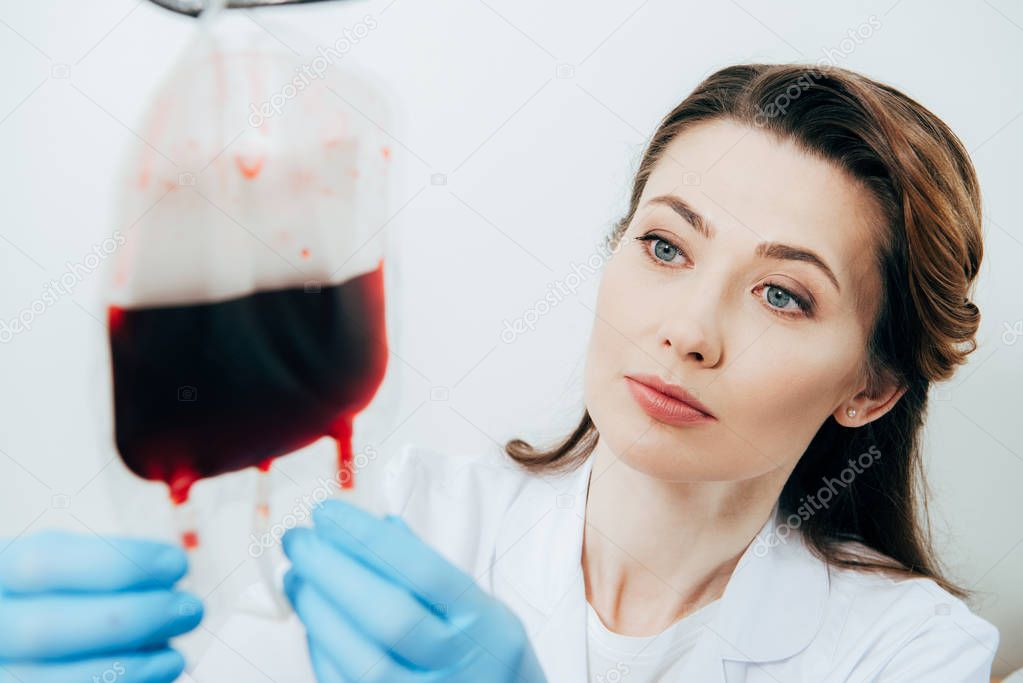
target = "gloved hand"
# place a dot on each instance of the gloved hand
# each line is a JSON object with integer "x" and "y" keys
{"x": 84, "y": 608}
{"x": 379, "y": 604}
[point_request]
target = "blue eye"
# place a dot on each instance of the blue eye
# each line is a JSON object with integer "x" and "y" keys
{"x": 778, "y": 296}
{"x": 663, "y": 250}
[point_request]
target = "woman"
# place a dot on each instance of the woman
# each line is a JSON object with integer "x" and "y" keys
{"x": 740, "y": 500}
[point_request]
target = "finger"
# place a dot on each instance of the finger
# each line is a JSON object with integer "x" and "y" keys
{"x": 79, "y": 626}
{"x": 352, "y": 654}
{"x": 384, "y": 611}
{"x": 158, "y": 666}
{"x": 400, "y": 555}
{"x": 59, "y": 561}
{"x": 322, "y": 666}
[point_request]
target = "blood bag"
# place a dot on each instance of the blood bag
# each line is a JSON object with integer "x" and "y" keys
{"x": 246, "y": 309}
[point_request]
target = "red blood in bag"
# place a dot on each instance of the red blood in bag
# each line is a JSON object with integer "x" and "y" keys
{"x": 204, "y": 389}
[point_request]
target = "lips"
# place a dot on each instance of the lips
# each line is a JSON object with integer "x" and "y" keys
{"x": 667, "y": 403}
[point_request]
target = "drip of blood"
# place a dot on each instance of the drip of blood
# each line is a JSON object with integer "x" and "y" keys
{"x": 249, "y": 168}
{"x": 189, "y": 540}
{"x": 263, "y": 507}
{"x": 180, "y": 486}
{"x": 341, "y": 431}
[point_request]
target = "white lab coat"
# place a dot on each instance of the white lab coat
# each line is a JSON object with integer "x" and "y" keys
{"x": 784, "y": 616}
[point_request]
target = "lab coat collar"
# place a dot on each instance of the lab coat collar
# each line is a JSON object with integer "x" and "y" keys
{"x": 771, "y": 609}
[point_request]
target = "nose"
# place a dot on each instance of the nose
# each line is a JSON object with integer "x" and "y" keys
{"x": 691, "y": 328}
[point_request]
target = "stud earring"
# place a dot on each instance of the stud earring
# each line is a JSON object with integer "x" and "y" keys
{"x": 851, "y": 412}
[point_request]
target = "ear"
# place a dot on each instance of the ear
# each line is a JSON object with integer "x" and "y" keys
{"x": 868, "y": 409}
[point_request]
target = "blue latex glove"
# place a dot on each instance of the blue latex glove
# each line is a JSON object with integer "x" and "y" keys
{"x": 379, "y": 604}
{"x": 85, "y": 608}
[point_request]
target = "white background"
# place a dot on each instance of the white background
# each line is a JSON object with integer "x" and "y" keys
{"x": 536, "y": 163}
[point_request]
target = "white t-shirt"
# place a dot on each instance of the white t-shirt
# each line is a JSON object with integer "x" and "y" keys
{"x": 614, "y": 658}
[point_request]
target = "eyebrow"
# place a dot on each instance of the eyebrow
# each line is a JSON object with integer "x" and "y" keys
{"x": 771, "y": 250}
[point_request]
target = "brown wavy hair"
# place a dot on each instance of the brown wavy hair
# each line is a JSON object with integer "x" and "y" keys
{"x": 928, "y": 257}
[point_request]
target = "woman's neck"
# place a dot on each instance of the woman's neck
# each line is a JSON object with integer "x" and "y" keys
{"x": 655, "y": 551}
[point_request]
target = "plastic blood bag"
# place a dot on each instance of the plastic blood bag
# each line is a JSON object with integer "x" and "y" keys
{"x": 246, "y": 309}
{"x": 212, "y": 387}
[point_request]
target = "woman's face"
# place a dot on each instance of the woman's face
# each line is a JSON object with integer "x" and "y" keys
{"x": 770, "y": 343}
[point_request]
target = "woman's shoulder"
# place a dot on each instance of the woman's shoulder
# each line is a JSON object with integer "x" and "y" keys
{"x": 454, "y": 501}
{"x": 905, "y": 627}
